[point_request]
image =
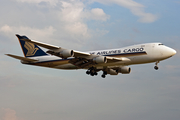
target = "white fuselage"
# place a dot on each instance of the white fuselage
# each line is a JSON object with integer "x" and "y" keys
{"x": 137, "y": 54}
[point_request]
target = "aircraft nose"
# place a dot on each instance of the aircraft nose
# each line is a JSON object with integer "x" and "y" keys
{"x": 171, "y": 51}
{"x": 167, "y": 52}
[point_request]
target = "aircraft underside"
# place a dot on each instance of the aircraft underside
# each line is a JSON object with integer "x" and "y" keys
{"x": 92, "y": 67}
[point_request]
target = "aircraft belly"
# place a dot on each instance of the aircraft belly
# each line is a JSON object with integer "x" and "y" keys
{"x": 141, "y": 60}
{"x": 67, "y": 66}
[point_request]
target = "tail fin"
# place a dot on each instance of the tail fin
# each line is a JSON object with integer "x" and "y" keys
{"x": 30, "y": 49}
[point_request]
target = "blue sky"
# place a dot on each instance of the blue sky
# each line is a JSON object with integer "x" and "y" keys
{"x": 35, "y": 93}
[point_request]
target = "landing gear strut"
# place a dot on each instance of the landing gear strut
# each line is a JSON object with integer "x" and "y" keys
{"x": 156, "y": 67}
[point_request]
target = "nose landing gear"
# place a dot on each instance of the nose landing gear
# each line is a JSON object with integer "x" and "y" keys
{"x": 156, "y": 67}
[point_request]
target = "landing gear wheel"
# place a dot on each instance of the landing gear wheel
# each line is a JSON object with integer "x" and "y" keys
{"x": 92, "y": 74}
{"x": 95, "y": 73}
{"x": 88, "y": 72}
{"x": 156, "y": 67}
{"x": 103, "y": 76}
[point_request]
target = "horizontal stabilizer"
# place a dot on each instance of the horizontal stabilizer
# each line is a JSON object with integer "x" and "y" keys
{"x": 22, "y": 58}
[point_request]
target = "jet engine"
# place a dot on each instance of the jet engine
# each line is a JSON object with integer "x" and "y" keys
{"x": 124, "y": 70}
{"x": 100, "y": 59}
{"x": 65, "y": 53}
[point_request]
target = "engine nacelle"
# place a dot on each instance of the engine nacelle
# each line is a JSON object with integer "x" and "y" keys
{"x": 100, "y": 59}
{"x": 112, "y": 72}
{"x": 66, "y": 53}
{"x": 124, "y": 70}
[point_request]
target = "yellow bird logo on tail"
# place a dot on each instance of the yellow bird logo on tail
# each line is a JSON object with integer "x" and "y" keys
{"x": 31, "y": 50}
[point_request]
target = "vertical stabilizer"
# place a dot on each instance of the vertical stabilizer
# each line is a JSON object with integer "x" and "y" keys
{"x": 30, "y": 49}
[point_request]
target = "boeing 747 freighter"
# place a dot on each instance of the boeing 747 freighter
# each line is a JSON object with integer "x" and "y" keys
{"x": 111, "y": 61}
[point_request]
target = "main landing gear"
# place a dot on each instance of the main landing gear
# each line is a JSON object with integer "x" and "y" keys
{"x": 156, "y": 67}
{"x": 91, "y": 71}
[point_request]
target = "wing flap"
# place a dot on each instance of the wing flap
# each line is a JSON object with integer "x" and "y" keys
{"x": 22, "y": 58}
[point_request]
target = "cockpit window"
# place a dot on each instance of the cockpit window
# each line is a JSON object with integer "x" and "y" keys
{"x": 160, "y": 44}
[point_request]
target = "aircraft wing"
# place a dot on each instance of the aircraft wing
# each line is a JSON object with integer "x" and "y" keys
{"x": 55, "y": 48}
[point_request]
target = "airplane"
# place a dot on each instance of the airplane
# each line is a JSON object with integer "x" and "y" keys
{"x": 111, "y": 61}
